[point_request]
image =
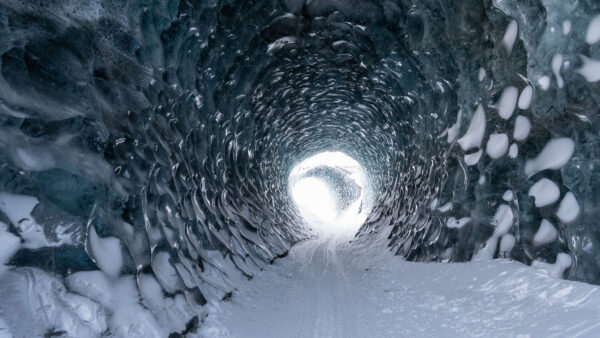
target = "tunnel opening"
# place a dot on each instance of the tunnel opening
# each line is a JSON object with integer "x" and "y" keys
{"x": 332, "y": 193}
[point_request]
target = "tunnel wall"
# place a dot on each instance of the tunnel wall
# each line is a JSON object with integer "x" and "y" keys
{"x": 153, "y": 139}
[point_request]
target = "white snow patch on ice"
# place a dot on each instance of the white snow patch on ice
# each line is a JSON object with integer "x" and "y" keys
{"x": 120, "y": 296}
{"x": 593, "y": 31}
{"x": 35, "y": 302}
{"x": 18, "y": 209}
{"x": 474, "y": 135}
{"x": 555, "y": 154}
{"x": 446, "y": 207}
{"x": 568, "y": 210}
{"x": 473, "y": 158}
{"x": 557, "y": 60}
{"x": 544, "y": 82}
{"x": 280, "y": 43}
{"x": 507, "y": 243}
{"x": 546, "y": 233}
{"x": 434, "y": 204}
{"x": 9, "y": 245}
{"x": 453, "y": 131}
{"x": 508, "y": 102}
{"x": 510, "y": 36}
{"x": 481, "y": 74}
{"x": 590, "y": 69}
{"x": 525, "y": 98}
{"x": 497, "y": 145}
{"x": 457, "y": 223}
{"x": 522, "y": 128}
{"x": 556, "y": 270}
{"x": 106, "y": 253}
{"x": 566, "y": 26}
{"x": 481, "y": 180}
{"x": 503, "y": 220}
{"x": 545, "y": 192}
{"x": 513, "y": 150}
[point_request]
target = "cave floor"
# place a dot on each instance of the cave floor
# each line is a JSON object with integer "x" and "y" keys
{"x": 328, "y": 287}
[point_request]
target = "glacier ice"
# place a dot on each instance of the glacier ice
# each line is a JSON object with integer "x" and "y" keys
{"x": 146, "y": 146}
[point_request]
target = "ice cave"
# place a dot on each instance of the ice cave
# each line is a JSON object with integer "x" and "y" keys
{"x": 299, "y": 168}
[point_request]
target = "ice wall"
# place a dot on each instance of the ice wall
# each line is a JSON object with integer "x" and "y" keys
{"x": 145, "y": 145}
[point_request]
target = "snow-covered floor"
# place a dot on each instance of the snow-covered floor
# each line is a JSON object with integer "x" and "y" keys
{"x": 328, "y": 287}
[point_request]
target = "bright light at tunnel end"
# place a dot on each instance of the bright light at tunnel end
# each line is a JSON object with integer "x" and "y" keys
{"x": 316, "y": 202}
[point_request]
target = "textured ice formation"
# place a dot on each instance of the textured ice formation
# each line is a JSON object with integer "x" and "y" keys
{"x": 145, "y": 147}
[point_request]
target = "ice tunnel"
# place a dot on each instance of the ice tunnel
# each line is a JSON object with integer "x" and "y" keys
{"x": 152, "y": 153}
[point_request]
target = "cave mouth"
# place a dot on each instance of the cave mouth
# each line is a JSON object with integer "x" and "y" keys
{"x": 331, "y": 192}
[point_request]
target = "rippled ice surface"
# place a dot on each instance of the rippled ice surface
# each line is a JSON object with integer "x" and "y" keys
{"x": 145, "y": 146}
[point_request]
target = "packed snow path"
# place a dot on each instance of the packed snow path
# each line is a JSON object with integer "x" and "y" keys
{"x": 331, "y": 288}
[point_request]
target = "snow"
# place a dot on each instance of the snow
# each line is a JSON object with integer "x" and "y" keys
{"x": 481, "y": 180}
{"x": 513, "y": 150}
{"x": 434, "y": 204}
{"x": 446, "y": 207}
{"x": 35, "y": 302}
{"x": 120, "y": 296}
{"x": 457, "y": 223}
{"x": 165, "y": 272}
{"x": 280, "y": 43}
{"x": 502, "y": 221}
{"x": 507, "y": 243}
{"x": 522, "y": 128}
{"x": 557, "y": 270}
{"x": 590, "y": 69}
{"x": 545, "y": 192}
{"x": 566, "y": 26}
{"x": 510, "y": 36}
{"x": 10, "y": 245}
{"x": 332, "y": 288}
{"x": 18, "y": 209}
{"x": 593, "y": 31}
{"x": 546, "y": 233}
{"x": 508, "y": 102}
{"x": 525, "y": 98}
{"x": 497, "y": 145}
{"x": 453, "y": 131}
{"x": 555, "y": 154}
{"x": 481, "y": 74}
{"x": 106, "y": 253}
{"x": 474, "y": 135}
{"x": 544, "y": 82}
{"x": 473, "y": 158}
{"x": 557, "y": 60}
{"x": 568, "y": 210}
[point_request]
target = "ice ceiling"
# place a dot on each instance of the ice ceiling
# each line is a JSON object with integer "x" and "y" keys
{"x": 147, "y": 145}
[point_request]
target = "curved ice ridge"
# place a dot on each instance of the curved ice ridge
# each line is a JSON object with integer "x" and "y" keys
{"x": 145, "y": 146}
